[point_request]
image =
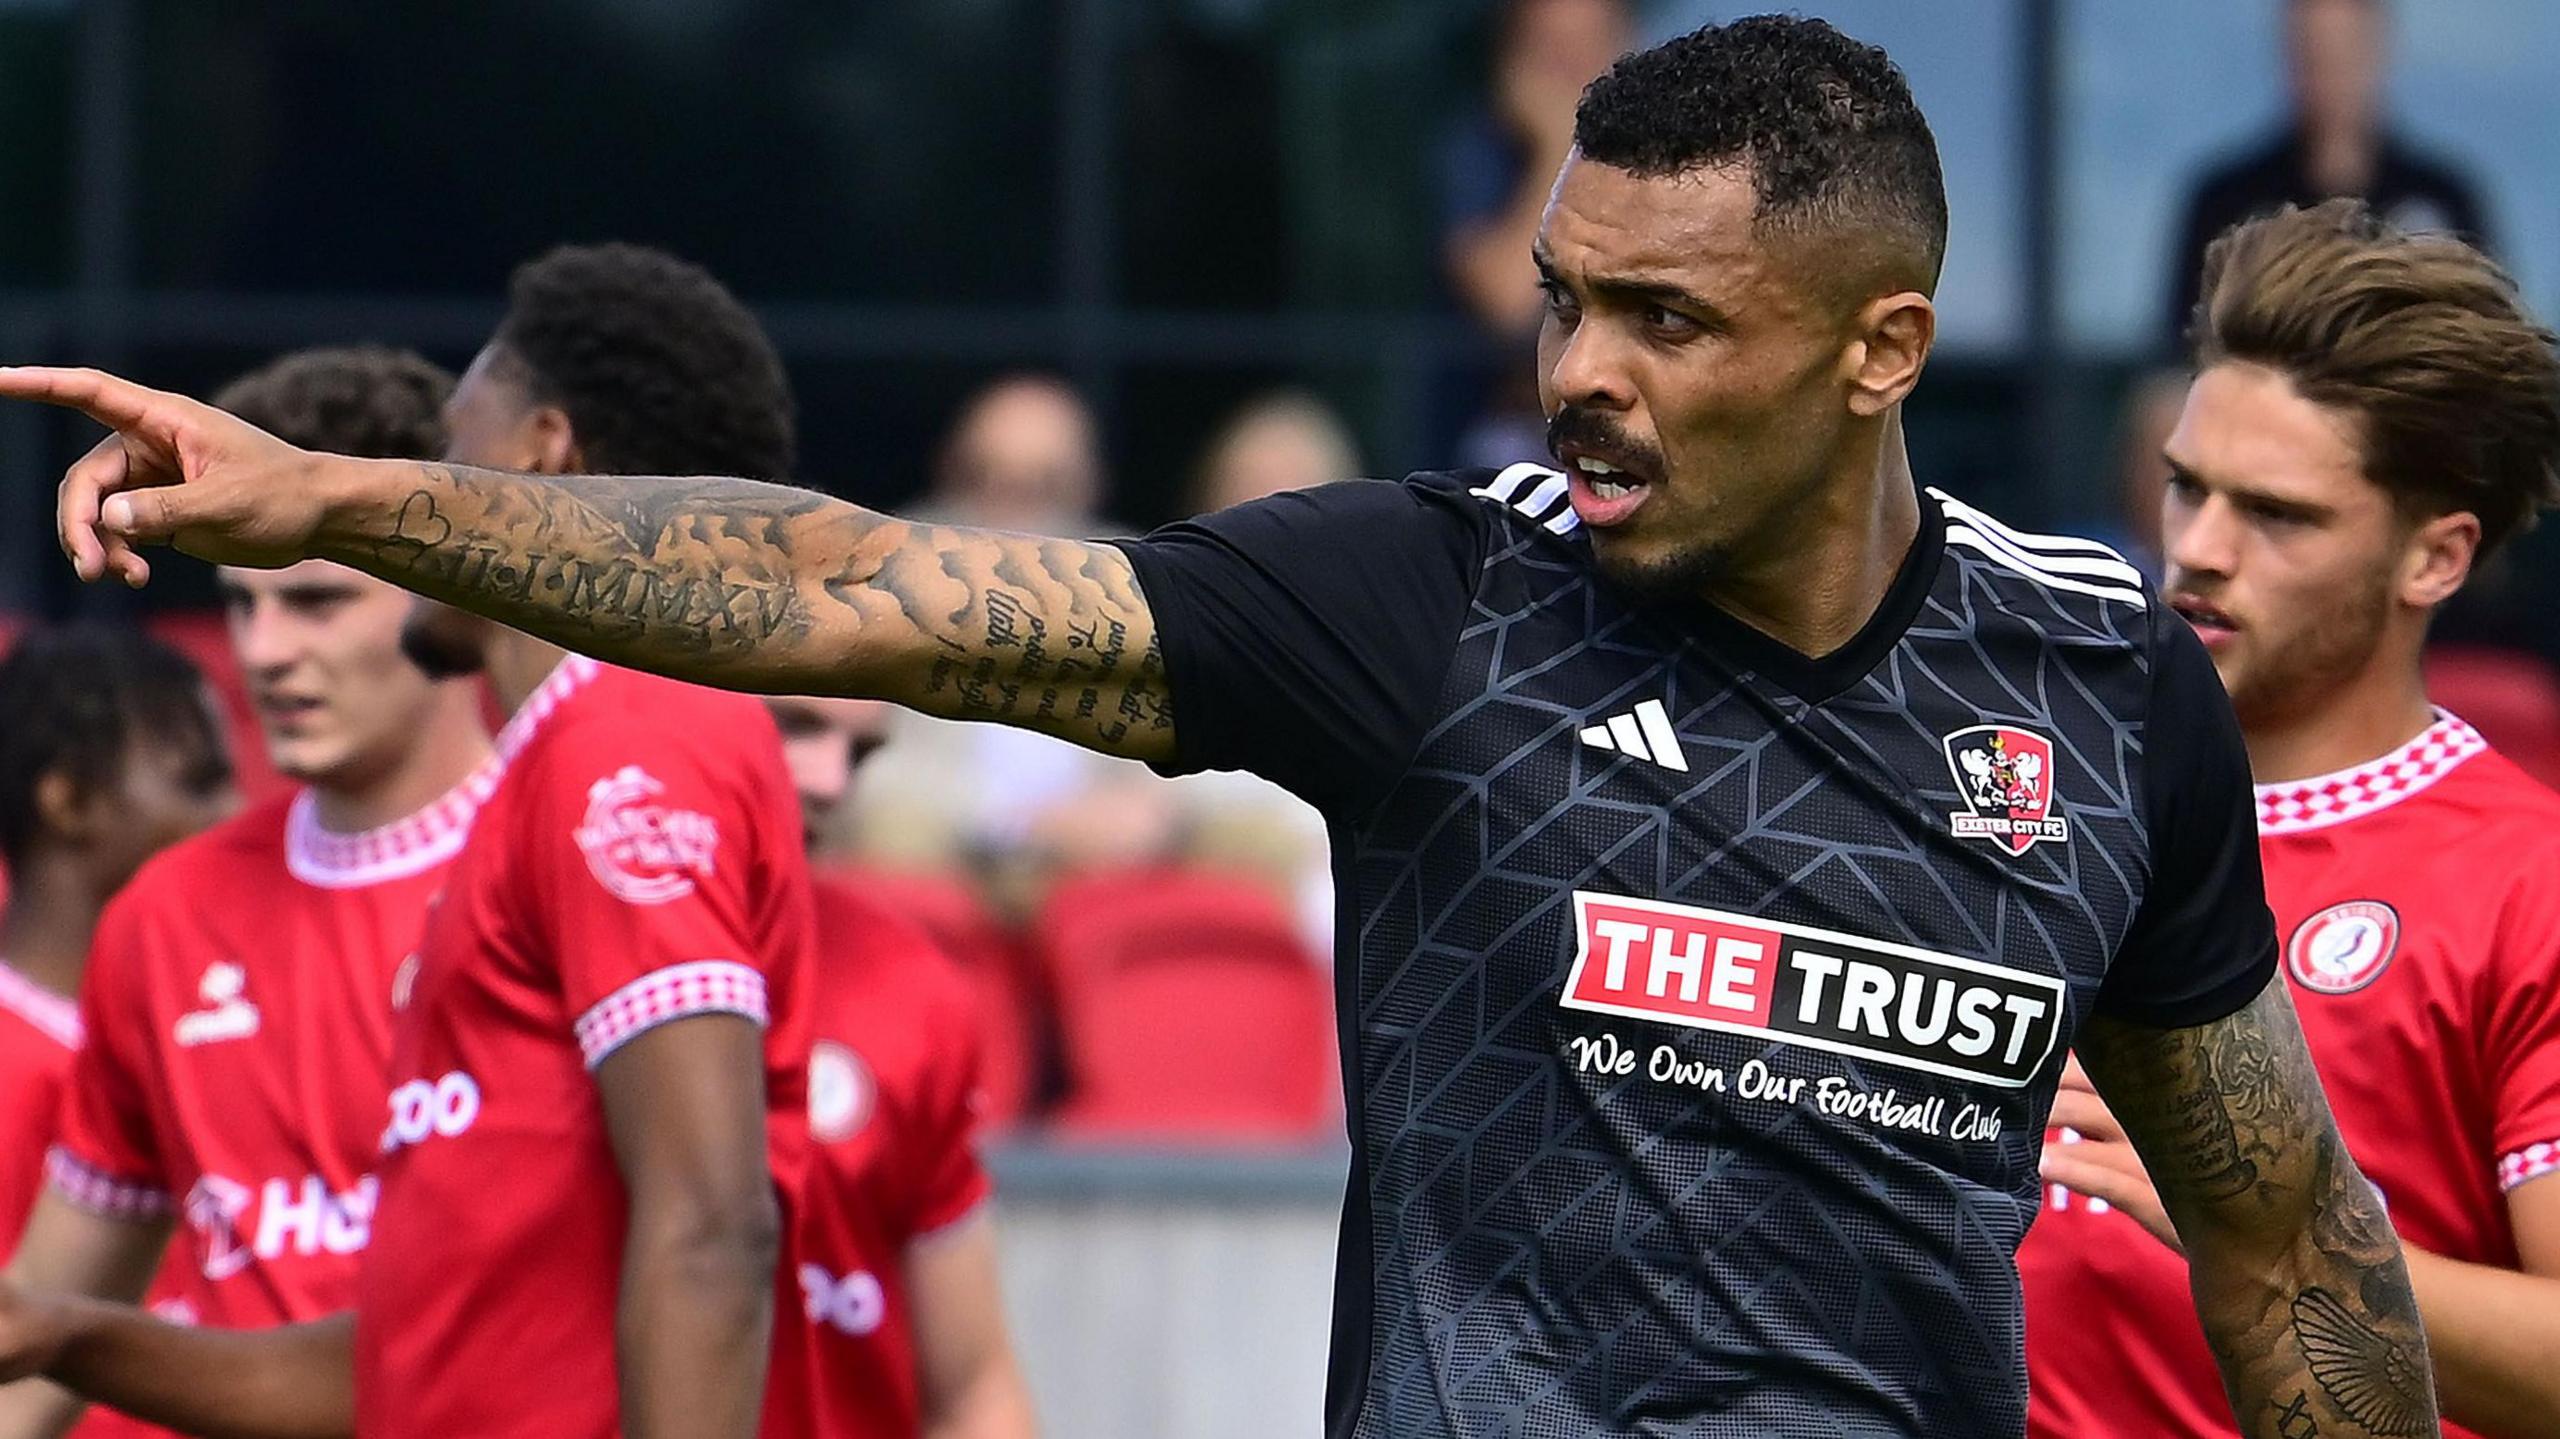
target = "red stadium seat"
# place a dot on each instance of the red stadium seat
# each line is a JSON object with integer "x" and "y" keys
{"x": 1011, "y": 1003}
{"x": 1188, "y": 1008}
{"x": 2513, "y": 699}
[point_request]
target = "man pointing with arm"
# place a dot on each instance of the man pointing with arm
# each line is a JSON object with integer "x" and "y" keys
{"x": 1715, "y": 678}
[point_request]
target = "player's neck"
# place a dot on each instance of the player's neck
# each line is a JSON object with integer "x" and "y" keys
{"x": 517, "y": 665}
{"x": 46, "y": 926}
{"x": 2350, "y": 725}
{"x": 1820, "y": 583}
{"x": 451, "y": 743}
{"x": 2340, "y": 160}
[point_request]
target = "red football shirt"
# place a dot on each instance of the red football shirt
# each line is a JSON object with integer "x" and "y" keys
{"x": 39, "y": 1033}
{"x": 2419, "y": 901}
{"x": 238, "y": 1004}
{"x": 39, "y": 1037}
{"x": 639, "y": 863}
{"x": 893, "y": 1107}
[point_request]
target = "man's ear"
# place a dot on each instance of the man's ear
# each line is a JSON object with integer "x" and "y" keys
{"x": 1889, "y": 345}
{"x": 554, "y": 442}
{"x": 62, "y": 808}
{"x": 2438, "y": 558}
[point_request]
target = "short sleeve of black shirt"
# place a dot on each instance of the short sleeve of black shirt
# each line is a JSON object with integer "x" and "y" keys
{"x": 2203, "y": 944}
{"x": 1306, "y": 635}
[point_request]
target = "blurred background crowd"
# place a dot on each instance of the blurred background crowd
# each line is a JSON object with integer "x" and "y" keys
{"x": 1086, "y": 266}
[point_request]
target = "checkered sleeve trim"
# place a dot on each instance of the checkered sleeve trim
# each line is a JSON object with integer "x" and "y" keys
{"x": 679, "y": 991}
{"x": 2531, "y": 1162}
{"x": 95, "y": 1190}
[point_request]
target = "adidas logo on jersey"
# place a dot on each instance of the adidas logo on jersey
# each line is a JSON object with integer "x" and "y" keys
{"x": 1641, "y": 733}
{"x": 226, "y": 1015}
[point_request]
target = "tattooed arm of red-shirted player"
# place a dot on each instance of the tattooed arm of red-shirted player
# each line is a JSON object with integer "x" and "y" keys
{"x": 2491, "y": 1331}
{"x": 731, "y": 583}
{"x": 66, "y": 1249}
{"x": 296, "y": 1382}
{"x": 684, "y": 1105}
{"x": 2297, "y": 1274}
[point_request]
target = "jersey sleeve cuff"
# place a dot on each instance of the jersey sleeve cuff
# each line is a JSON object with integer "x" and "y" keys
{"x": 1166, "y": 606}
{"x": 679, "y": 991}
{"x": 2223, "y": 1000}
{"x": 98, "y": 1192}
{"x": 955, "y": 1211}
{"x": 2529, "y": 1163}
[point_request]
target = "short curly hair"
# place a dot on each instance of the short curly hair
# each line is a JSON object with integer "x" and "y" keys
{"x": 78, "y": 701}
{"x": 1825, "y": 125}
{"x": 2454, "y": 385}
{"x": 369, "y": 401}
{"x": 659, "y": 368}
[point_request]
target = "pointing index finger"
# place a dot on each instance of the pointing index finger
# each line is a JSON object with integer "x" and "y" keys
{"x": 117, "y": 403}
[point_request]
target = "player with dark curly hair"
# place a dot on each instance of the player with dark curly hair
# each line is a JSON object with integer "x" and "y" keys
{"x": 1732, "y": 836}
{"x": 586, "y": 335}
{"x": 109, "y": 753}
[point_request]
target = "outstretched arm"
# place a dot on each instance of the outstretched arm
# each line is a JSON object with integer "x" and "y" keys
{"x": 727, "y": 582}
{"x": 2297, "y": 1274}
{"x": 70, "y": 1250}
{"x": 296, "y": 1382}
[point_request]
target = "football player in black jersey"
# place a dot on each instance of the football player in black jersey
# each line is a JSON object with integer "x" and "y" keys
{"x": 1732, "y": 835}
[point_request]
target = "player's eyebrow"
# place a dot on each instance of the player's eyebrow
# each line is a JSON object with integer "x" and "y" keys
{"x": 2249, "y": 497}
{"x": 1627, "y": 290}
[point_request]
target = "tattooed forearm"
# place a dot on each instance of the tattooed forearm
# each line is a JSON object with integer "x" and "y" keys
{"x": 766, "y": 587}
{"x": 2297, "y": 1273}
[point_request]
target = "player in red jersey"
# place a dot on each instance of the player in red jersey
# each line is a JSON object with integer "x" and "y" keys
{"x": 897, "y": 1250}
{"x": 108, "y": 753}
{"x": 237, "y": 995}
{"x": 597, "y": 1121}
{"x": 2375, "y": 412}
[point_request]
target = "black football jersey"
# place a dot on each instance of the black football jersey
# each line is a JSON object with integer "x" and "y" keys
{"x": 1701, "y": 1002}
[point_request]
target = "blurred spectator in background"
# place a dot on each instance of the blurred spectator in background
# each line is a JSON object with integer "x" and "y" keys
{"x": 1286, "y": 440}
{"x": 296, "y": 914}
{"x": 1025, "y": 454}
{"x": 109, "y": 753}
{"x": 1496, "y": 170}
{"x": 2150, "y": 413}
{"x": 2337, "y": 141}
{"x": 898, "y": 1268}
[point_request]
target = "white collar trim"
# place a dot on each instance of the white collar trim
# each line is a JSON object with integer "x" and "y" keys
{"x": 2328, "y": 799}
{"x": 55, "y": 1017}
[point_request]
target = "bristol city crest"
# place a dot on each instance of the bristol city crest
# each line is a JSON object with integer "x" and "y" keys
{"x": 842, "y": 1093}
{"x": 2005, "y": 775}
{"x": 2344, "y": 948}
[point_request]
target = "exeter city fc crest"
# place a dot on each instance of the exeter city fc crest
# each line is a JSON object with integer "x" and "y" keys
{"x": 2005, "y": 776}
{"x": 2343, "y": 948}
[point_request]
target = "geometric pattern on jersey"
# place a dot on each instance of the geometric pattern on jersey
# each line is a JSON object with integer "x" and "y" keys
{"x": 1536, "y": 1250}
